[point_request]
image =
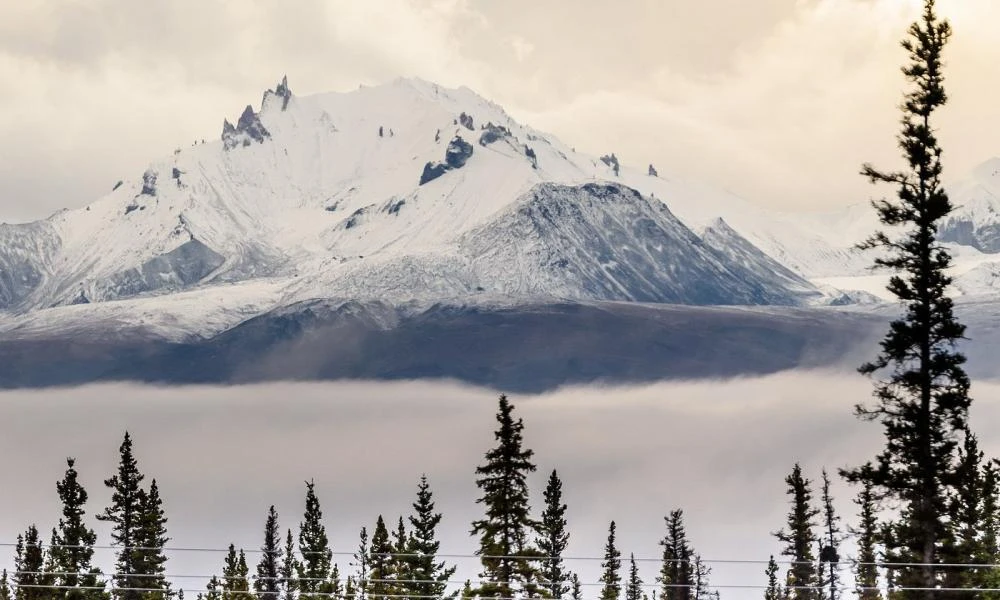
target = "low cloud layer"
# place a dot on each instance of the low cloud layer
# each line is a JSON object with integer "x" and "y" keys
{"x": 778, "y": 100}
{"x": 222, "y": 455}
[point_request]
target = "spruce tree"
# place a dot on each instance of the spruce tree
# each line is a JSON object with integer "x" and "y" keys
{"x": 380, "y": 571}
{"x": 553, "y": 539}
{"x": 867, "y": 534}
{"x": 125, "y": 515}
{"x": 5, "y": 591}
{"x": 72, "y": 549}
{"x": 289, "y": 567}
{"x": 967, "y": 520}
{"x": 504, "y": 546}
{"x": 317, "y": 559}
{"x": 991, "y": 512}
{"x": 676, "y": 571}
{"x": 429, "y": 575}
{"x": 400, "y": 560}
{"x": 773, "y": 590}
{"x": 150, "y": 539}
{"x": 350, "y": 591}
{"x": 268, "y": 581}
{"x": 611, "y": 568}
{"x": 633, "y": 587}
{"x": 29, "y": 567}
{"x": 922, "y": 399}
{"x": 701, "y": 571}
{"x": 799, "y": 537}
{"x": 576, "y": 589}
{"x": 362, "y": 566}
{"x": 830, "y": 553}
{"x": 213, "y": 589}
{"x": 336, "y": 588}
{"x": 236, "y": 576}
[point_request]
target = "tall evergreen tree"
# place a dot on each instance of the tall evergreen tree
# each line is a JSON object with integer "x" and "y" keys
{"x": 380, "y": 573}
{"x": 150, "y": 539}
{"x": 553, "y": 539}
{"x": 236, "y": 576}
{"x": 830, "y": 553}
{"x": 289, "y": 568}
{"x": 268, "y": 581}
{"x": 799, "y": 537}
{"x": 504, "y": 546}
{"x": 429, "y": 575}
{"x": 676, "y": 571}
{"x": 72, "y": 550}
{"x": 313, "y": 569}
{"x": 922, "y": 401}
{"x": 611, "y": 568}
{"x": 633, "y": 586}
{"x": 29, "y": 566}
{"x": 773, "y": 590}
{"x": 125, "y": 515}
{"x": 867, "y": 533}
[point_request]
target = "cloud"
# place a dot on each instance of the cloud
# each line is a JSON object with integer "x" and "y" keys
{"x": 778, "y": 100}
{"x": 222, "y": 455}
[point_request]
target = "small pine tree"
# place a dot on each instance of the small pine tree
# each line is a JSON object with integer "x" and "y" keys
{"x": 336, "y": 587}
{"x": 72, "y": 549}
{"x": 553, "y": 539}
{"x": 773, "y": 590}
{"x": 429, "y": 575}
{"x": 676, "y": 576}
{"x": 29, "y": 567}
{"x": 968, "y": 520}
{"x": 289, "y": 567}
{"x": 576, "y": 588}
{"x": 5, "y": 591}
{"x": 633, "y": 587}
{"x": 611, "y": 568}
{"x": 799, "y": 537}
{"x": 213, "y": 589}
{"x": 150, "y": 539}
{"x": 362, "y": 566}
{"x": 504, "y": 548}
{"x": 267, "y": 585}
{"x": 400, "y": 561}
{"x": 350, "y": 591}
{"x": 830, "y": 553}
{"x": 380, "y": 571}
{"x": 314, "y": 568}
{"x": 991, "y": 512}
{"x": 867, "y": 534}
{"x": 236, "y": 576}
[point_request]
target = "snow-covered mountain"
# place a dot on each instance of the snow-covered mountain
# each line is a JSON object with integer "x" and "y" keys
{"x": 410, "y": 192}
{"x": 403, "y": 191}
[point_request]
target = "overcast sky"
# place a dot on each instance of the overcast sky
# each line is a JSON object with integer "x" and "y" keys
{"x": 778, "y": 100}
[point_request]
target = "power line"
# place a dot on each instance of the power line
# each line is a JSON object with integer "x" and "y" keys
{"x": 846, "y": 561}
